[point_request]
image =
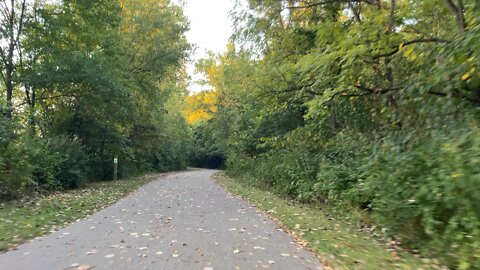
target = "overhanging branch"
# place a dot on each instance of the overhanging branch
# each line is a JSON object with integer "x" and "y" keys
{"x": 326, "y": 2}
{"x": 396, "y": 49}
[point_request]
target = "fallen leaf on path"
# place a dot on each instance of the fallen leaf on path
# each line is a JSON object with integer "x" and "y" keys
{"x": 84, "y": 267}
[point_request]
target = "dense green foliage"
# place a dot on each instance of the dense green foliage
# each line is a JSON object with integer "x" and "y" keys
{"x": 208, "y": 149}
{"x": 367, "y": 105}
{"x": 84, "y": 81}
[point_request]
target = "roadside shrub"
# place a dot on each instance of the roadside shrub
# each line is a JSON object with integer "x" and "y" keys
{"x": 15, "y": 170}
{"x": 424, "y": 192}
{"x": 430, "y": 191}
{"x": 333, "y": 180}
{"x": 171, "y": 156}
{"x": 343, "y": 168}
{"x": 58, "y": 163}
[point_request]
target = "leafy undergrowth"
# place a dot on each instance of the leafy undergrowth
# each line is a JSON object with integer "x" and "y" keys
{"x": 338, "y": 243}
{"x": 27, "y": 219}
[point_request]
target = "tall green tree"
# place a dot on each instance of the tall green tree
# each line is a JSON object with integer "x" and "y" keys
{"x": 96, "y": 78}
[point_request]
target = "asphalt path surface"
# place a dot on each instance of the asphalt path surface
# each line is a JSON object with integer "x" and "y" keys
{"x": 181, "y": 221}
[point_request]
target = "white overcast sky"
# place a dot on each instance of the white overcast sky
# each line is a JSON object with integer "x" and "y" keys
{"x": 210, "y": 29}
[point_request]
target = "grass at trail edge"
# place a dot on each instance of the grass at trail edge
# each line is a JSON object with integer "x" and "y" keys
{"x": 338, "y": 244}
{"x": 29, "y": 218}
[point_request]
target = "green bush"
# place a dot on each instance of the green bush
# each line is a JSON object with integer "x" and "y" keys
{"x": 171, "y": 157}
{"x": 58, "y": 163}
{"x": 423, "y": 192}
{"x": 430, "y": 191}
{"x": 15, "y": 170}
{"x": 343, "y": 168}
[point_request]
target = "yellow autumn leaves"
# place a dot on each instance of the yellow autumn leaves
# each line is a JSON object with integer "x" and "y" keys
{"x": 203, "y": 105}
{"x": 200, "y": 106}
{"x": 471, "y": 72}
{"x": 408, "y": 53}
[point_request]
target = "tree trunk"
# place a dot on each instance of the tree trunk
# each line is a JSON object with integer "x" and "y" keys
{"x": 9, "y": 89}
{"x": 458, "y": 12}
{"x": 11, "y": 24}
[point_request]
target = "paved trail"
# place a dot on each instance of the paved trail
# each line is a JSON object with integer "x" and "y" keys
{"x": 182, "y": 221}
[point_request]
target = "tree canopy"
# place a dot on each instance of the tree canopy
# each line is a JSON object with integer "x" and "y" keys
{"x": 87, "y": 80}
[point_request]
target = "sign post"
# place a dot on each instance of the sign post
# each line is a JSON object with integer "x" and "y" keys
{"x": 115, "y": 168}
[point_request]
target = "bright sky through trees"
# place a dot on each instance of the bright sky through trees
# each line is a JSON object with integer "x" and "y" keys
{"x": 210, "y": 29}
